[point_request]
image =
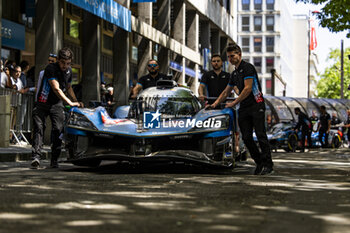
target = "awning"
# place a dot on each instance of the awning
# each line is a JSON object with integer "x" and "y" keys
{"x": 108, "y": 10}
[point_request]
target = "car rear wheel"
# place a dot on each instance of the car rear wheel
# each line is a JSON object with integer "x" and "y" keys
{"x": 292, "y": 142}
{"x": 336, "y": 142}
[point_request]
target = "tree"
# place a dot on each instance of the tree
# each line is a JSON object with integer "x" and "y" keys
{"x": 335, "y": 14}
{"x": 329, "y": 84}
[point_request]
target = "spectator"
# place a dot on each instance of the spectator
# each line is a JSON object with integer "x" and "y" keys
{"x": 214, "y": 81}
{"x": 54, "y": 89}
{"x": 149, "y": 80}
{"x": 6, "y": 77}
{"x": 25, "y": 67}
{"x": 324, "y": 126}
{"x": 16, "y": 82}
{"x": 103, "y": 93}
{"x": 305, "y": 124}
{"x": 251, "y": 111}
{"x": 52, "y": 59}
{"x": 109, "y": 96}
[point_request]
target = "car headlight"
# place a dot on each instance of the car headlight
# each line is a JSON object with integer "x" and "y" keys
{"x": 212, "y": 123}
{"x": 79, "y": 120}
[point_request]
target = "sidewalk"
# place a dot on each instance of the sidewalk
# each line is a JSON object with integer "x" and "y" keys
{"x": 15, "y": 153}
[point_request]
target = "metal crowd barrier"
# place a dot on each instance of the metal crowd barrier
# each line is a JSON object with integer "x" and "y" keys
{"x": 21, "y": 114}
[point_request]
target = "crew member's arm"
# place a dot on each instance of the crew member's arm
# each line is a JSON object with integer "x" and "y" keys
{"x": 248, "y": 84}
{"x": 57, "y": 90}
{"x": 201, "y": 92}
{"x": 72, "y": 96}
{"x": 236, "y": 90}
{"x": 222, "y": 96}
{"x": 136, "y": 90}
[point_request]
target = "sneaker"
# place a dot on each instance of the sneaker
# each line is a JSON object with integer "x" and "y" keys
{"x": 258, "y": 169}
{"x": 35, "y": 163}
{"x": 54, "y": 163}
{"x": 267, "y": 171}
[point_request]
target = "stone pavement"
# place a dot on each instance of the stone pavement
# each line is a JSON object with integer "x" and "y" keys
{"x": 15, "y": 153}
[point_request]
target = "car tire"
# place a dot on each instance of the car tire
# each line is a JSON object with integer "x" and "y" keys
{"x": 336, "y": 142}
{"x": 292, "y": 142}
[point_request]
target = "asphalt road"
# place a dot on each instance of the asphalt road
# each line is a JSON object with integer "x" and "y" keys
{"x": 309, "y": 192}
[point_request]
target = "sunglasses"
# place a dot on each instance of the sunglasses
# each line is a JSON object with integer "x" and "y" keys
{"x": 152, "y": 65}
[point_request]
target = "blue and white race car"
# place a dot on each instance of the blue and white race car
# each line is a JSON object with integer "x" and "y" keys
{"x": 165, "y": 124}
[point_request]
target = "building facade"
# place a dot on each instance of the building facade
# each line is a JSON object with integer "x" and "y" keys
{"x": 276, "y": 41}
{"x": 112, "y": 40}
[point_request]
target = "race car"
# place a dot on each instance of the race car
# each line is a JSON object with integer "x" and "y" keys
{"x": 165, "y": 123}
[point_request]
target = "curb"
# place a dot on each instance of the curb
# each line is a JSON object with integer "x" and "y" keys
{"x": 16, "y": 153}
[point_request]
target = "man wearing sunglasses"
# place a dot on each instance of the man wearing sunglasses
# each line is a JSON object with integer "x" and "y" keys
{"x": 150, "y": 79}
{"x": 54, "y": 90}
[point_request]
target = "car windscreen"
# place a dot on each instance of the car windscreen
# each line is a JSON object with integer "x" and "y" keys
{"x": 168, "y": 107}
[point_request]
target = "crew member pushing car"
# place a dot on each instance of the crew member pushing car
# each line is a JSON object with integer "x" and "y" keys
{"x": 52, "y": 92}
{"x": 251, "y": 113}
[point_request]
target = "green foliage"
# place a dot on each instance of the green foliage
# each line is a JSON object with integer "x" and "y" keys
{"x": 329, "y": 84}
{"x": 335, "y": 15}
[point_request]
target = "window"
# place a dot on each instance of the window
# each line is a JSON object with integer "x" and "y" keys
{"x": 72, "y": 28}
{"x": 72, "y": 23}
{"x": 107, "y": 37}
{"x": 270, "y": 44}
{"x": 270, "y": 4}
{"x": 245, "y": 44}
{"x": 257, "y": 44}
{"x": 245, "y": 5}
{"x": 257, "y": 4}
{"x": 257, "y": 64}
{"x": 270, "y": 22}
{"x": 245, "y": 24}
{"x": 257, "y": 23}
{"x": 270, "y": 62}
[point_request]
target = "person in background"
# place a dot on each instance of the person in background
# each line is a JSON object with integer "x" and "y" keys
{"x": 214, "y": 81}
{"x": 54, "y": 90}
{"x": 304, "y": 123}
{"x": 16, "y": 82}
{"x": 109, "y": 96}
{"x": 149, "y": 80}
{"x": 324, "y": 126}
{"x": 25, "y": 67}
{"x": 347, "y": 125}
{"x": 51, "y": 59}
{"x": 314, "y": 121}
{"x": 6, "y": 77}
{"x": 335, "y": 120}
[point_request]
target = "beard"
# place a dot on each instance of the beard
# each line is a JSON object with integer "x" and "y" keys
{"x": 153, "y": 72}
{"x": 216, "y": 68}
